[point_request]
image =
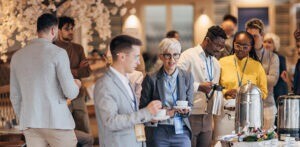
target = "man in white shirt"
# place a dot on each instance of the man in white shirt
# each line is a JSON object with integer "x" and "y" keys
{"x": 200, "y": 61}
{"x": 120, "y": 123}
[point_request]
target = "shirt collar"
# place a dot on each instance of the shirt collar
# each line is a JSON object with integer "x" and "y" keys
{"x": 173, "y": 76}
{"x": 62, "y": 42}
{"x": 240, "y": 61}
{"x": 123, "y": 78}
{"x": 260, "y": 52}
{"x": 201, "y": 51}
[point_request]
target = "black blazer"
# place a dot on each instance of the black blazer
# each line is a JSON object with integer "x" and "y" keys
{"x": 153, "y": 89}
{"x": 281, "y": 88}
{"x": 297, "y": 78}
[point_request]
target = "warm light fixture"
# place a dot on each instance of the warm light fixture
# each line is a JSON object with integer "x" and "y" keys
{"x": 132, "y": 22}
{"x": 201, "y": 26}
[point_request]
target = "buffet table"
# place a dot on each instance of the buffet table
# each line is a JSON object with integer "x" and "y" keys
{"x": 268, "y": 143}
{"x": 11, "y": 137}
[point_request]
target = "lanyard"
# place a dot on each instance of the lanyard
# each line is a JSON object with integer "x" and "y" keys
{"x": 209, "y": 70}
{"x": 173, "y": 96}
{"x": 240, "y": 79}
{"x": 134, "y": 102}
{"x": 262, "y": 56}
{"x": 134, "y": 98}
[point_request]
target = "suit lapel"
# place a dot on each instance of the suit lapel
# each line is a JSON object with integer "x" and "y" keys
{"x": 160, "y": 85}
{"x": 119, "y": 84}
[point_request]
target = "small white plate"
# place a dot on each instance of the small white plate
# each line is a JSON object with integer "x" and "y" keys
{"x": 161, "y": 118}
{"x": 182, "y": 107}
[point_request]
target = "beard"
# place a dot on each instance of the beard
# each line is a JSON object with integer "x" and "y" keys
{"x": 67, "y": 38}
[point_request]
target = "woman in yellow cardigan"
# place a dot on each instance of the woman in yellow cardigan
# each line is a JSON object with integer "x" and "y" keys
{"x": 236, "y": 70}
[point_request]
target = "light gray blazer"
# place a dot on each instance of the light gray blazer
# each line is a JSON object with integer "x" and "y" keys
{"x": 40, "y": 81}
{"x": 115, "y": 116}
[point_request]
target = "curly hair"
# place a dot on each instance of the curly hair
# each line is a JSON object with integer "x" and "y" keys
{"x": 255, "y": 23}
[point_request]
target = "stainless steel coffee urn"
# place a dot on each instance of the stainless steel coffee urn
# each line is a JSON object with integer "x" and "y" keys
{"x": 249, "y": 108}
{"x": 289, "y": 116}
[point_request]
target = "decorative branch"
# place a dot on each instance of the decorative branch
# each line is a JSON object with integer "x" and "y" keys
{"x": 18, "y": 18}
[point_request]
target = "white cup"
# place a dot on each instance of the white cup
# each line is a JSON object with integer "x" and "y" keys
{"x": 182, "y": 103}
{"x": 161, "y": 113}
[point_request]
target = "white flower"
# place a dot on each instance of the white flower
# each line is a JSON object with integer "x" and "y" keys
{"x": 114, "y": 11}
{"x": 132, "y": 11}
{"x": 102, "y": 46}
{"x": 4, "y": 57}
{"x": 18, "y": 18}
{"x": 123, "y": 11}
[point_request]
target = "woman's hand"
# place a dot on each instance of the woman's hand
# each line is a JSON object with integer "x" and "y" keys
{"x": 231, "y": 94}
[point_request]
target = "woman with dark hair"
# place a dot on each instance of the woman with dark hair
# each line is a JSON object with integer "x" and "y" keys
{"x": 236, "y": 70}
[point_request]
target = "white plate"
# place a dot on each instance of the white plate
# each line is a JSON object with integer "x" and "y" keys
{"x": 182, "y": 107}
{"x": 162, "y": 118}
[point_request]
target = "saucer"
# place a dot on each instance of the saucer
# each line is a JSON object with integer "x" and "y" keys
{"x": 182, "y": 107}
{"x": 160, "y": 118}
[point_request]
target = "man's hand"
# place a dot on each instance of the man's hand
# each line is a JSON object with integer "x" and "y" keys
{"x": 69, "y": 101}
{"x": 77, "y": 82}
{"x": 285, "y": 77}
{"x": 171, "y": 112}
{"x": 83, "y": 63}
{"x": 154, "y": 106}
{"x": 231, "y": 94}
{"x": 205, "y": 87}
{"x": 183, "y": 111}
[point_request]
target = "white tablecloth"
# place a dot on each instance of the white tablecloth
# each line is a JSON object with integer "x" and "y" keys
{"x": 269, "y": 143}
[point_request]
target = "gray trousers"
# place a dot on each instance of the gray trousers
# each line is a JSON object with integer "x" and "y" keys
{"x": 164, "y": 136}
{"x": 201, "y": 129}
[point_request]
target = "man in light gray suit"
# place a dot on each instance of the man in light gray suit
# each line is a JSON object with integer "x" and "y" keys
{"x": 40, "y": 83}
{"x": 117, "y": 113}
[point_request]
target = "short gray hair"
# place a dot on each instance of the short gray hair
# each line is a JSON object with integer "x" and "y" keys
{"x": 168, "y": 44}
{"x": 275, "y": 39}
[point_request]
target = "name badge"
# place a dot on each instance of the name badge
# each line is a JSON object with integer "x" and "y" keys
{"x": 139, "y": 130}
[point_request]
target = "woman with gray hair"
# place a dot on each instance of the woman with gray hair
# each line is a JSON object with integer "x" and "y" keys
{"x": 174, "y": 88}
{"x": 272, "y": 43}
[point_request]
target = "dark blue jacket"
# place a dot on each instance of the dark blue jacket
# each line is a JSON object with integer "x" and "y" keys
{"x": 297, "y": 78}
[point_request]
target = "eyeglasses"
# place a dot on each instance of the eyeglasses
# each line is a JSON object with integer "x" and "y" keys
{"x": 241, "y": 47}
{"x": 136, "y": 57}
{"x": 218, "y": 45}
{"x": 169, "y": 56}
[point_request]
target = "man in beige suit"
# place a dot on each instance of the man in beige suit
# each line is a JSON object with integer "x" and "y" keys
{"x": 40, "y": 83}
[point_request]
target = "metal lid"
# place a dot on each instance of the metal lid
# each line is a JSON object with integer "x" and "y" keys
{"x": 290, "y": 96}
{"x": 249, "y": 88}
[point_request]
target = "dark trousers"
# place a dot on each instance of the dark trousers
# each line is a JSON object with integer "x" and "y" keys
{"x": 164, "y": 136}
{"x": 80, "y": 113}
{"x": 201, "y": 129}
{"x": 84, "y": 139}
